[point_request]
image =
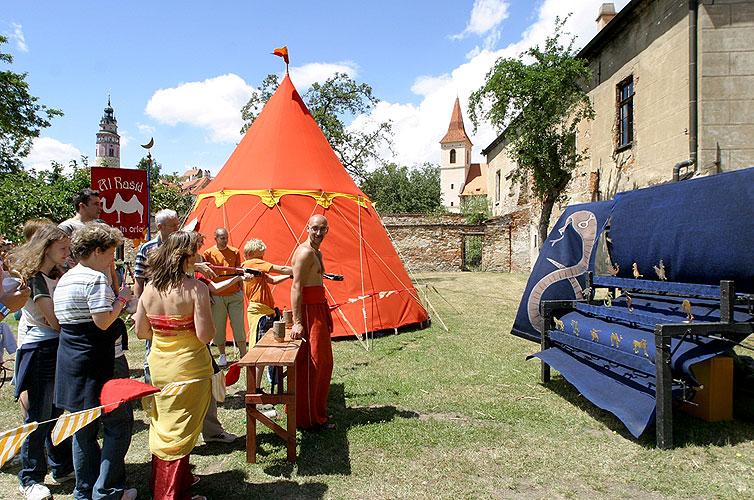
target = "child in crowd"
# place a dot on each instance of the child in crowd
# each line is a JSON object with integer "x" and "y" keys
{"x": 261, "y": 303}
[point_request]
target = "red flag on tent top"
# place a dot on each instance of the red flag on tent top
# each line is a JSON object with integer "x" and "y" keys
{"x": 120, "y": 390}
{"x": 282, "y": 52}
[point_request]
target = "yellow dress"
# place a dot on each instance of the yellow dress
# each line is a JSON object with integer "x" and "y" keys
{"x": 177, "y": 355}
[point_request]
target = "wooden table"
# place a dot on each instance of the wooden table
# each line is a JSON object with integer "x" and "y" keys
{"x": 268, "y": 352}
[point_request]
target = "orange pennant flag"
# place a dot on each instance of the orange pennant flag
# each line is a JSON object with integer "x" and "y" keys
{"x": 282, "y": 52}
{"x": 11, "y": 441}
{"x": 68, "y": 424}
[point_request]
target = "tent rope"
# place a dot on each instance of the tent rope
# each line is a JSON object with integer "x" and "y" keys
{"x": 416, "y": 297}
{"x": 248, "y": 213}
{"x": 414, "y": 276}
{"x": 343, "y": 316}
{"x": 361, "y": 272}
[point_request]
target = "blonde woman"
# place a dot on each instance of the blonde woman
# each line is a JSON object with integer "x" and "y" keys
{"x": 38, "y": 262}
{"x": 174, "y": 312}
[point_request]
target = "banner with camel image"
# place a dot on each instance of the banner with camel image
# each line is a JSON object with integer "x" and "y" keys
{"x": 124, "y": 193}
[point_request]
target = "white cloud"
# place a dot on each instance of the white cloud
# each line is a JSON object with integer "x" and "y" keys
{"x": 18, "y": 37}
{"x": 46, "y": 149}
{"x": 145, "y": 129}
{"x": 485, "y": 19}
{"x": 303, "y": 76}
{"x": 418, "y": 129}
{"x": 214, "y": 104}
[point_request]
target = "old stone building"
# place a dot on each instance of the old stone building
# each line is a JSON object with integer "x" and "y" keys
{"x": 673, "y": 92}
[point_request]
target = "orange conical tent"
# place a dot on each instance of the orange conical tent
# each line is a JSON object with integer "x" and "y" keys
{"x": 281, "y": 173}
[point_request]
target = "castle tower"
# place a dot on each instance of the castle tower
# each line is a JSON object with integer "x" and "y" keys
{"x": 455, "y": 160}
{"x": 108, "y": 140}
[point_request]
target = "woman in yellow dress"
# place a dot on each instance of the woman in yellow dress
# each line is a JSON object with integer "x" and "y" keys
{"x": 174, "y": 312}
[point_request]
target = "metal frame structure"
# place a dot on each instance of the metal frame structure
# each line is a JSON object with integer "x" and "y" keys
{"x": 727, "y": 328}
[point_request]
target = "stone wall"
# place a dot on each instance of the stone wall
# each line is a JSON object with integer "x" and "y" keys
{"x": 435, "y": 242}
{"x": 726, "y": 86}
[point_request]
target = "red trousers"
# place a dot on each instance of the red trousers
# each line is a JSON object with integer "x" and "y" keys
{"x": 315, "y": 366}
{"x": 171, "y": 479}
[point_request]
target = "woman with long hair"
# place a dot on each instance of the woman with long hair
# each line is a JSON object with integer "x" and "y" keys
{"x": 174, "y": 312}
{"x": 88, "y": 310}
{"x": 38, "y": 262}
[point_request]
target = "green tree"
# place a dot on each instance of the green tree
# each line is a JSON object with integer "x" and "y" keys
{"x": 395, "y": 189}
{"x": 21, "y": 118}
{"x": 330, "y": 104}
{"x": 476, "y": 209}
{"x": 165, "y": 190}
{"x": 30, "y": 194}
{"x": 538, "y": 96}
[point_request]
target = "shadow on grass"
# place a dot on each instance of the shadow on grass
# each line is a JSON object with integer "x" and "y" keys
{"x": 225, "y": 484}
{"x": 327, "y": 452}
{"x": 687, "y": 430}
{"x": 232, "y": 484}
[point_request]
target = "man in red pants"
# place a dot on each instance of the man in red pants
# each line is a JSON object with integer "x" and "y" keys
{"x": 312, "y": 322}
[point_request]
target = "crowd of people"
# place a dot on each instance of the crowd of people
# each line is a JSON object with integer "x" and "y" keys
{"x": 73, "y": 302}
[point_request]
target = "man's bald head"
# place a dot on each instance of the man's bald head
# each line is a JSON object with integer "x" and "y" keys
{"x": 317, "y": 228}
{"x": 317, "y": 220}
{"x": 221, "y": 238}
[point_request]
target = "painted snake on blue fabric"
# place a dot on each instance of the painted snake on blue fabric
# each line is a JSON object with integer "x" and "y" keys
{"x": 585, "y": 224}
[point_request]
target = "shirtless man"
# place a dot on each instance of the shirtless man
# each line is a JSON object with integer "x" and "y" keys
{"x": 312, "y": 322}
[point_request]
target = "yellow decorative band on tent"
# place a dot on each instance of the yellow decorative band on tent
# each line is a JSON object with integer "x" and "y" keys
{"x": 272, "y": 197}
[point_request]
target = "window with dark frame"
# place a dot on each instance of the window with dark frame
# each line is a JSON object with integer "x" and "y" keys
{"x": 626, "y": 113}
{"x": 452, "y": 156}
{"x": 497, "y": 186}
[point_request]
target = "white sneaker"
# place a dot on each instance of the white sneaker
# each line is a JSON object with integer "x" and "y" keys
{"x": 35, "y": 491}
{"x": 129, "y": 494}
{"x": 272, "y": 414}
{"x": 223, "y": 437}
{"x": 222, "y": 360}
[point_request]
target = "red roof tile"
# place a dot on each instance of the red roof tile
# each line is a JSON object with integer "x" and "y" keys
{"x": 456, "y": 131}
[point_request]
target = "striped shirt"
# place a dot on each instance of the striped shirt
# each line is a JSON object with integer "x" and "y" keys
{"x": 140, "y": 267}
{"x": 81, "y": 292}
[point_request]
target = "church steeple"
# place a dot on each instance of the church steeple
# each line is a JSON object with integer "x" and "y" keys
{"x": 108, "y": 140}
{"x": 456, "y": 130}
{"x": 455, "y": 159}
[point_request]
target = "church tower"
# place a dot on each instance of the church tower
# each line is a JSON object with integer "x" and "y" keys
{"x": 455, "y": 160}
{"x": 108, "y": 140}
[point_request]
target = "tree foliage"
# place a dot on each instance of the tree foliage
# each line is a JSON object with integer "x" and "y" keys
{"x": 330, "y": 103}
{"x": 395, "y": 189}
{"x": 165, "y": 190}
{"x": 30, "y": 194}
{"x": 539, "y": 97}
{"x": 477, "y": 209}
{"x": 21, "y": 118}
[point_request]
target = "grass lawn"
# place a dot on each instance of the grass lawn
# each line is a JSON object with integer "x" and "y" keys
{"x": 456, "y": 415}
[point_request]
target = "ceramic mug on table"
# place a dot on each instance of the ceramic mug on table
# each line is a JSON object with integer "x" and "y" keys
{"x": 278, "y": 331}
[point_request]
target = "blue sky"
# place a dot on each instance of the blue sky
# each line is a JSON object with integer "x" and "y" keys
{"x": 180, "y": 71}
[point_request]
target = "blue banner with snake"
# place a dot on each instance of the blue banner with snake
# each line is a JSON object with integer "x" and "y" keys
{"x": 566, "y": 255}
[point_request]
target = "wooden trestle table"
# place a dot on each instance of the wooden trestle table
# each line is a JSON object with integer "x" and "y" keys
{"x": 268, "y": 352}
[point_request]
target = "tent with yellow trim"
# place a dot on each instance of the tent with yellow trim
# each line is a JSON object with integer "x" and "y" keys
{"x": 281, "y": 173}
